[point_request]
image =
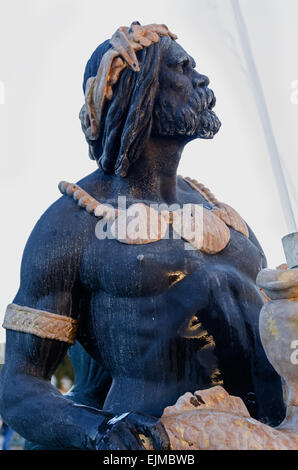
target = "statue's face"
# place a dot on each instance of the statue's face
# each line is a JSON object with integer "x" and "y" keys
{"x": 183, "y": 106}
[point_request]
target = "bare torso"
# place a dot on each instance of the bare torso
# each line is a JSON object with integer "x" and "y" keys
{"x": 163, "y": 320}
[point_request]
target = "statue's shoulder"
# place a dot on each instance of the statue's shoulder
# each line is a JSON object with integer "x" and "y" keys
{"x": 65, "y": 217}
{"x": 61, "y": 234}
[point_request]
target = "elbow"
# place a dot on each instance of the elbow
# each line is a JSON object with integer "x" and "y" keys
{"x": 9, "y": 396}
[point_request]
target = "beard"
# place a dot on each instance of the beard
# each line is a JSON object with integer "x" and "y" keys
{"x": 193, "y": 120}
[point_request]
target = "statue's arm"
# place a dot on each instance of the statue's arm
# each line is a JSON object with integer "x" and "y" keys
{"x": 29, "y": 403}
{"x": 35, "y": 408}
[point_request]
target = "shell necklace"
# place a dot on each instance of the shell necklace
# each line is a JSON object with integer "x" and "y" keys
{"x": 215, "y": 234}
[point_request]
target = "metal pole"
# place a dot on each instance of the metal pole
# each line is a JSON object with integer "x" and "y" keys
{"x": 265, "y": 119}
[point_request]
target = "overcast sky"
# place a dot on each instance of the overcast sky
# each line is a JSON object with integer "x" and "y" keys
{"x": 44, "y": 46}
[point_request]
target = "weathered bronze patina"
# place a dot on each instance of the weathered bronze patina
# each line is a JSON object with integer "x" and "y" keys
{"x": 155, "y": 319}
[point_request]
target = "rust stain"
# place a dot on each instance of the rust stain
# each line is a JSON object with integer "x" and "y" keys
{"x": 272, "y": 328}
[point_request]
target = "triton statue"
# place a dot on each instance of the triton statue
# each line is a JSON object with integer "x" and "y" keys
{"x": 151, "y": 320}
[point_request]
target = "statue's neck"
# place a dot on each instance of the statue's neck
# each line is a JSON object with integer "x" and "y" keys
{"x": 153, "y": 176}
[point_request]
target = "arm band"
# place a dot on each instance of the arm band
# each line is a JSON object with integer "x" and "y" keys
{"x": 40, "y": 323}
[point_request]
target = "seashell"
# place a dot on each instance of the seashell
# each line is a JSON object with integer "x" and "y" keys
{"x": 231, "y": 217}
{"x": 85, "y": 200}
{"x": 78, "y": 194}
{"x": 91, "y": 207}
{"x": 71, "y": 189}
{"x": 216, "y": 234}
{"x": 62, "y": 186}
{"x": 149, "y": 226}
{"x": 105, "y": 211}
{"x": 214, "y": 420}
{"x": 214, "y": 237}
{"x": 152, "y": 226}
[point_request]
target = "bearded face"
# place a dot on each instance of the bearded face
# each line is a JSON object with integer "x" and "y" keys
{"x": 183, "y": 105}
{"x": 167, "y": 97}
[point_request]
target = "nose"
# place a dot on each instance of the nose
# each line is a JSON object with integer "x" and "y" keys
{"x": 200, "y": 80}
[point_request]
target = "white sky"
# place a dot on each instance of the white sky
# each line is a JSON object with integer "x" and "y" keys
{"x": 44, "y": 46}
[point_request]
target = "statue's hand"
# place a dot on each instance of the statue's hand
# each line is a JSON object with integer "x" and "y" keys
{"x": 123, "y": 433}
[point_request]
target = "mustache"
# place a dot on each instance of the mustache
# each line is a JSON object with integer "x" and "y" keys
{"x": 194, "y": 119}
{"x": 203, "y": 98}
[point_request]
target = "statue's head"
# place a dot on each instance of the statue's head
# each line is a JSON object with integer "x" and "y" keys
{"x": 140, "y": 84}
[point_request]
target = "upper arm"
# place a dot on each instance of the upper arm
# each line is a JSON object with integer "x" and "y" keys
{"x": 49, "y": 283}
{"x": 50, "y": 265}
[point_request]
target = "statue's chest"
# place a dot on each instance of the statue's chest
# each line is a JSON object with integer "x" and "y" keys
{"x": 135, "y": 270}
{"x": 126, "y": 265}
{"x": 143, "y": 270}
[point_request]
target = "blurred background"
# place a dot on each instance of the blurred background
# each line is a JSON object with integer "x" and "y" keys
{"x": 44, "y": 46}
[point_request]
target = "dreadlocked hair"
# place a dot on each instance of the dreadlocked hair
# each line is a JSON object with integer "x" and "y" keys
{"x": 127, "y": 118}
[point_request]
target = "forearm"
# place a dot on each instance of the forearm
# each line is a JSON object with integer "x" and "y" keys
{"x": 40, "y": 413}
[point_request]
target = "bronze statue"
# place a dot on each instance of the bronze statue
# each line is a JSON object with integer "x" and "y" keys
{"x": 155, "y": 320}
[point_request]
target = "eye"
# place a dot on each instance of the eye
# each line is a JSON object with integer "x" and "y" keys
{"x": 183, "y": 64}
